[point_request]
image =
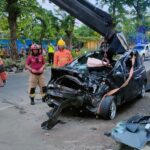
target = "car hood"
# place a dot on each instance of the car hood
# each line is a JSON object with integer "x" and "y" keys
{"x": 57, "y": 72}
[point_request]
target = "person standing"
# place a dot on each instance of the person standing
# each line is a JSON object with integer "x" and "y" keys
{"x": 3, "y": 74}
{"x": 62, "y": 56}
{"x": 35, "y": 63}
{"x": 2, "y": 52}
{"x": 51, "y": 51}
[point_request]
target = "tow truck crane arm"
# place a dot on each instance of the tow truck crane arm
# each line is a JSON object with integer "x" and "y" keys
{"x": 96, "y": 19}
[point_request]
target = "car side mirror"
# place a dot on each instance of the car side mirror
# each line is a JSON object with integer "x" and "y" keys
{"x": 119, "y": 74}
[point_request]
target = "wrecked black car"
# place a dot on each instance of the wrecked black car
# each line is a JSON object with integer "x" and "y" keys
{"x": 98, "y": 90}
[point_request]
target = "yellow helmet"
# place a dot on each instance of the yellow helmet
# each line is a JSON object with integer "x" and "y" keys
{"x": 61, "y": 43}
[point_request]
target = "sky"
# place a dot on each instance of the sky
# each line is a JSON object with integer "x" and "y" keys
{"x": 46, "y": 4}
{"x": 49, "y": 6}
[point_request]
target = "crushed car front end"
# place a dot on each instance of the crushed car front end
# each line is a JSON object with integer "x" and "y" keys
{"x": 83, "y": 91}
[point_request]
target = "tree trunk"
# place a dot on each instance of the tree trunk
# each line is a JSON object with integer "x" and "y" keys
{"x": 69, "y": 40}
{"x": 139, "y": 15}
{"x": 41, "y": 37}
{"x": 12, "y": 20}
{"x": 43, "y": 30}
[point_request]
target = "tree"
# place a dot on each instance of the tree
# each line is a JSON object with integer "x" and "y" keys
{"x": 68, "y": 24}
{"x": 13, "y": 10}
{"x": 4, "y": 26}
{"x": 138, "y": 14}
{"x": 45, "y": 18}
{"x": 82, "y": 34}
{"x": 65, "y": 26}
{"x": 62, "y": 25}
{"x": 138, "y": 8}
{"x": 38, "y": 25}
{"x": 115, "y": 8}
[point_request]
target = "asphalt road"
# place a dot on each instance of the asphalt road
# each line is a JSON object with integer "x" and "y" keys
{"x": 16, "y": 90}
{"x": 20, "y": 122}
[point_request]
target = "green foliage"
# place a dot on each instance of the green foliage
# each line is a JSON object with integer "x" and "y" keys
{"x": 138, "y": 8}
{"x": 65, "y": 24}
{"x": 9, "y": 62}
{"x": 80, "y": 53}
{"x": 12, "y": 10}
{"x": 36, "y": 23}
{"x": 82, "y": 34}
{"x": 3, "y": 26}
{"x": 128, "y": 14}
{"x": 85, "y": 33}
{"x": 115, "y": 8}
{"x": 31, "y": 17}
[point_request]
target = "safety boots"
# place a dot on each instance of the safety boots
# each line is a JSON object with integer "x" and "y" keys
{"x": 32, "y": 101}
{"x": 44, "y": 99}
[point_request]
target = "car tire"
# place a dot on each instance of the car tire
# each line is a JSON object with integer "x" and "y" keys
{"x": 143, "y": 91}
{"x": 108, "y": 108}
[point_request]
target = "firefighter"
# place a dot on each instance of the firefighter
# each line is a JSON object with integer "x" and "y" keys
{"x": 62, "y": 56}
{"x": 35, "y": 63}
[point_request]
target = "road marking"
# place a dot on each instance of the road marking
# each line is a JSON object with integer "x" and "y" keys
{"x": 14, "y": 105}
{"x": 6, "y": 107}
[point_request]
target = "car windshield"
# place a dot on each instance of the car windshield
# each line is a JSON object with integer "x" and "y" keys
{"x": 138, "y": 48}
{"x": 83, "y": 60}
{"x": 81, "y": 63}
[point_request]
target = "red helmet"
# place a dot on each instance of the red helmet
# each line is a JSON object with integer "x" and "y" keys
{"x": 35, "y": 46}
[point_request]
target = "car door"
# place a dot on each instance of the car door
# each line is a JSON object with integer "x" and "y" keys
{"x": 119, "y": 79}
{"x": 138, "y": 78}
{"x": 130, "y": 89}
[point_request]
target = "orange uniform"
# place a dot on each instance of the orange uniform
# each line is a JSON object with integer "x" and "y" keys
{"x": 62, "y": 57}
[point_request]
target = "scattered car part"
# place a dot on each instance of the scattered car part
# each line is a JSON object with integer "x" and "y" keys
{"x": 133, "y": 133}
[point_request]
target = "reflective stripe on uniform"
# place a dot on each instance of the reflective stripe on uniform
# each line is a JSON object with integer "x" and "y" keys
{"x": 43, "y": 94}
{"x": 32, "y": 95}
{"x": 50, "y": 49}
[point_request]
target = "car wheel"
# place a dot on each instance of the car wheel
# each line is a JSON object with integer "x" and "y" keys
{"x": 108, "y": 108}
{"x": 143, "y": 91}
